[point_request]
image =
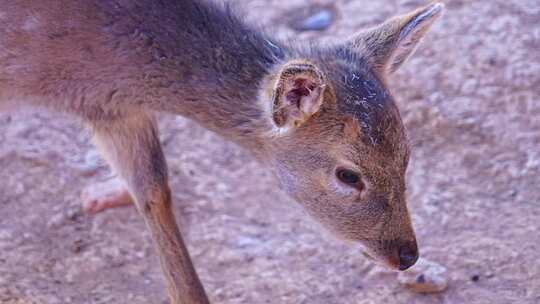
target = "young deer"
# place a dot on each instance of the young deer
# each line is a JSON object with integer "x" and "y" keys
{"x": 320, "y": 116}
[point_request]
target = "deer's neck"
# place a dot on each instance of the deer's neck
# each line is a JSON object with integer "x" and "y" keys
{"x": 215, "y": 67}
{"x": 227, "y": 99}
{"x": 230, "y": 110}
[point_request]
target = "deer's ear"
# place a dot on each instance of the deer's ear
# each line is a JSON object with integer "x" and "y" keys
{"x": 297, "y": 94}
{"x": 388, "y": 45}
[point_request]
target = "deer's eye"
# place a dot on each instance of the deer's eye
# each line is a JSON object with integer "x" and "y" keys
{"x": 348, "y": 177}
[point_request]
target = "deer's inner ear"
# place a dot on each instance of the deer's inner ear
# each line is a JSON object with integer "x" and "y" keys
{"x": 297, "y": 94}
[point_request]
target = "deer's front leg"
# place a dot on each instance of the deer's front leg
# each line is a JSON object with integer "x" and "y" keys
{"x": 132, "y": 147}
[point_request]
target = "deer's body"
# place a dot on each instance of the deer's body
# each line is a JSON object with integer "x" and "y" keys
{"x": 321, "y": 117}
{"x": 101, "y": 60}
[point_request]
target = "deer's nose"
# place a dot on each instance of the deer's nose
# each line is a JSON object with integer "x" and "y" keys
{"x": 408, "y": 255}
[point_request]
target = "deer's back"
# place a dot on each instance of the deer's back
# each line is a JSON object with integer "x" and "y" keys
{"x": 91, "y": 55}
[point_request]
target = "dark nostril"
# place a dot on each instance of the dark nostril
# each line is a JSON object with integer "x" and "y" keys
{"x": 408, "y": 255}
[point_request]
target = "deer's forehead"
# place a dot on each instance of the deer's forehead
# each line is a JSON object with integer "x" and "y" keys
{"x": 364, "y": 97}
{"x": 383, "y": 141}
{"x": 382, "y": 135}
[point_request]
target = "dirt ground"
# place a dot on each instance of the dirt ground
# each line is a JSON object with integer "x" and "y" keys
{"x": 470, "y": 98}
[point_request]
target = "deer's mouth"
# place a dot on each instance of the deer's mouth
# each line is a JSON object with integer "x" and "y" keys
{"x": 396, "y": 255}
{"x": 386, "y": 262}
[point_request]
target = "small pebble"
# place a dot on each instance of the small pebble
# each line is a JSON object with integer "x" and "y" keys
{"x": 56, "y": 220}
{"x": 91, "y": 165}
{"x": 424, "y": 277}
{"x": 19, "y": 189}
{"x": 318, "y": 21}
{"x": 77, "y": 246}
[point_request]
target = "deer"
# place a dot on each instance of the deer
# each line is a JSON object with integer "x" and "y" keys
{"x": 319, "y": 115}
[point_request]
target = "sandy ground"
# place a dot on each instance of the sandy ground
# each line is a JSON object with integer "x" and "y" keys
{"x": 470, "y": 98}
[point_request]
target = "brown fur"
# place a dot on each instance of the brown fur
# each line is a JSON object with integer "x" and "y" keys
{"x": 306, "y": 111}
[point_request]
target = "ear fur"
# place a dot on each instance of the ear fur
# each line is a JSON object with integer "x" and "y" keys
{"x": 388, "y": 45}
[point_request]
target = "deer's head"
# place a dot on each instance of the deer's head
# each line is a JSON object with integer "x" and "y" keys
{"x": 339, "y": 146}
